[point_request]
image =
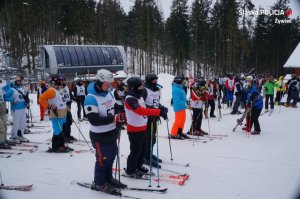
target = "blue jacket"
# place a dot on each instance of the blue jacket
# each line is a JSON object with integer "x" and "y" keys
{"x": 179, "y": 97}
{"x": 255, "y": 97}
{"x": 9, "y": 96}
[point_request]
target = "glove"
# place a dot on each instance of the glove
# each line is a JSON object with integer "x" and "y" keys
{"x": 163, "y": 108}
{"x": 110, "y": 118}
{"x": 164, "y": 112}
{"x": 120, "y": 118}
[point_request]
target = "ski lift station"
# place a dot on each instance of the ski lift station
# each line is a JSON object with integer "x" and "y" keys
{"x": 73, "y": 60}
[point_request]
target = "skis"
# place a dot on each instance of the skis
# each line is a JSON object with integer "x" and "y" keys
{"x": 158, "y": 190}
{"x": 175, "y": 164}
{"x": 39, "y": 132}
{"x": 84, "y": 150}
{"x": 25, "y": 149}
{"x": 240, "y": 120}
{"x": 175, "y": 179}
{"x": 8, "y": 154}
{"x": 178, "y": 180}
{"x": 176, "y": 172}
{"x": 17, "y": 188}
{"x": 196, "y": 139}
{"x": 88, "y": 185}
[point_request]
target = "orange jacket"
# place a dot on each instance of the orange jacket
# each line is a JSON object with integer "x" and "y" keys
{"x": 48, "y": 94}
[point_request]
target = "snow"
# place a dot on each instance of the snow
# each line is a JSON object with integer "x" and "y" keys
{"x": 293, "y": 61}
{"x": 261, "y": 166}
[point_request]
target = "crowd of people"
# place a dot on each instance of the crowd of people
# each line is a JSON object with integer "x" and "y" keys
{"x": 137, "y": 105}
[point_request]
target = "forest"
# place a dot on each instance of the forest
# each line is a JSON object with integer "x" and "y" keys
{"x": 213, "y": 38}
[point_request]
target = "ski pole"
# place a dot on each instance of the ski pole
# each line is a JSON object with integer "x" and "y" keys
{"x": 157, "y": 155}
{"x": 118, "y": 153}
{"x": 208, "y": 117}
{"x": 192, "y": 127}
{"x": 150, "y": 174}
{"x": 280, "y": 96}
{"x": 169, "y": 139}
{"x": 83, "y": 136}
{"x": 1, "y": 179}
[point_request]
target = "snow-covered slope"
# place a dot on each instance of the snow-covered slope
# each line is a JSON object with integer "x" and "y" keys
{"x": 261, "y": 166}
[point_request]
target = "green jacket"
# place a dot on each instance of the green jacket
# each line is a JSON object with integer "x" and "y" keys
{"x": 269, "y": 87}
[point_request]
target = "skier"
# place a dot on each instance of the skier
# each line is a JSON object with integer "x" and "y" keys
{"x": 256, "y": 101}
{"x": 100, "y": 109}
{"x": 119, "y": 95}
{"x": 19, "y": 102}
{"x": 80, "y": 92}
{"x": 280, "y": 90}
{"x": 199, "y": 96}
{"x": 41, "y": 90}
{"x": 293, "y": 93}
{"x": 3, "y": 119}
{"x": 269, "y": 87}
{"x": 229, "y": 85}
{"x": 211, "y": 97}
{"x": 179, "y": 106}
{"x": 53, "y": 100}
{"x": 67, "y": 95}
{"x": 151, "y": 96}
{"x": 238, "y": 92}
{"x": 136, "y": 113}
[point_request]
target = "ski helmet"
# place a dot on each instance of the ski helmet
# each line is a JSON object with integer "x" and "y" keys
{"x": 104, "y": 75}
{"x": 201, "y": 83}
{"x": 134, "y": 82}
{"x": 150, "y": 77}
{"x": 178, "y": 79}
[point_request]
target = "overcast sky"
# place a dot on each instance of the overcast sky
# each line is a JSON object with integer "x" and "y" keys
{"x": 166, "y": 4}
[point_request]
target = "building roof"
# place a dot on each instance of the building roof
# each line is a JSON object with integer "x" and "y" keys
{"x": 294, "y": 60}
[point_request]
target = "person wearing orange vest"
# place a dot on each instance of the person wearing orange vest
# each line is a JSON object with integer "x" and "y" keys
{"x": 136, "y": 115}
{"x": 53, "y": 100}
{"x": 41, "y": 90}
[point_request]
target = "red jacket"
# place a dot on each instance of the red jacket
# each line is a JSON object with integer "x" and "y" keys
{"x": 197, "y": 96}
{"x": 133, "y": 105}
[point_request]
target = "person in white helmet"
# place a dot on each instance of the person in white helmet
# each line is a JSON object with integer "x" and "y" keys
{"x": 19, "y": 102}
{"x": 100, "y": 108}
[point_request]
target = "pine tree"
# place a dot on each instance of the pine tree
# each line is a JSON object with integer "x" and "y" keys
{"x": 178, "y": 34}
{"x": 199, "y": 27}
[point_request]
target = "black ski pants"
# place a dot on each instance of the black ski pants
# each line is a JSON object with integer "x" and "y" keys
{"x": 271, "y": 97}
{"x": 80, "y": 104}
{"x": 255, "y": 113}
{"x": 67, "y": 125}
{"x": 212, "y": 105}
{"x": 197, "y": 119}
{"x": 58, "y": 141}
{"x": 237, "y": 103}
{"x": 151, "y": 127}
{"x": 136, "y": 156}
